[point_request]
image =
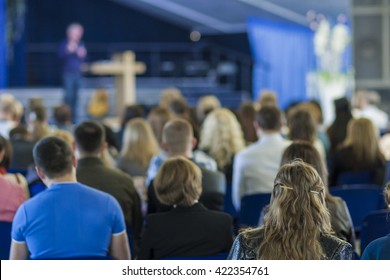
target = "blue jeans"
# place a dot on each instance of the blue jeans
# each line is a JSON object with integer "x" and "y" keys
{"x": 71, "y": 84}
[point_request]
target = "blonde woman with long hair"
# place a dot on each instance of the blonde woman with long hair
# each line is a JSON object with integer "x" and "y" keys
{"x": 139, "y": 146}
{"x": 221, "y": 138}
{"x": 297, "y": 225}
{"x": 359, "y": 152}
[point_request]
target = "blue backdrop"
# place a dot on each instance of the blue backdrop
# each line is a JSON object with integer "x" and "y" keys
{"x": 283, "y": 54}
{"x": 3, "y": 45}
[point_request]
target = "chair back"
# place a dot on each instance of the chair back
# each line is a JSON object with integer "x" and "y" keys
{"x": 5, "y": 240}
{"x": 251, "y": 206}
{"x": 361, "y": 200}
{"x": 375, "y": 225}
{"x": 229, "y": 207}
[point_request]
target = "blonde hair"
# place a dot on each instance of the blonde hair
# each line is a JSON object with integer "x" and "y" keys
{"x": 298, "y": 207}
{"x": 139, "y": 142}
{"x": 168, "y": 95}
{"x": 178, "y": 182}
{"x": 64, "y": 135}
{"x": 362, "y": 137}
{"x": 267, "y": 97}
{"x": 205, "y": 105}
{"x": 222, "y": 136}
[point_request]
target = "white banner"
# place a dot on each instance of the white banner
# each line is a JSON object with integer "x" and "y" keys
{"x": 122, "y": 270}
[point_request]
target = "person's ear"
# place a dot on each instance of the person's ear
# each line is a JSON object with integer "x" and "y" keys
{"x": 40, "y": 173}
{"x": 104, "y": 147}
{"x": 194, "y": 142}
{"x": 164, "y": 146}
{"x": 74, "y": 161}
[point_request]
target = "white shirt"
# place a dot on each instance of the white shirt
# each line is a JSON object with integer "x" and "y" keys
{"x": 255, "y": 167}
{"x": 378, "y": 117}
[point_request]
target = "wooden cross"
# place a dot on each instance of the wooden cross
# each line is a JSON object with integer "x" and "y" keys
{"x": 124, "y": 67}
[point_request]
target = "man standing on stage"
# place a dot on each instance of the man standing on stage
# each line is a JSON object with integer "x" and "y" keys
{"x": 72, "y": 54}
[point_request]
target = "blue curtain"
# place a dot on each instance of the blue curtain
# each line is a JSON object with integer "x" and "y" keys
{"x": 3, "y": 45}
{"x": 283, "y": 54}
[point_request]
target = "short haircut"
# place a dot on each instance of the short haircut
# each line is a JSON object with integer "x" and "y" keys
{"x": 6, "y": 147}
{"x": 269, "y": 118}
{"x": 177, "y": 134}
{"x": 89, "y": 136}
{"x": 53, "y": 156}
{"x": 62, "y": 114}
{"x": 178, "y": 182}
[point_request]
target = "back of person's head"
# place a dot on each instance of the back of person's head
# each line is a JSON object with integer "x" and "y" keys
{"x": 62, "y": 114}
{"x": 179, "y": 107}
{"x": 139, "y": 143}
{"x": 19, "y": 133}
{"x": 89, "y": 137}
{"x": 222, "y": 136}
{"x": 342, "y": 105}
{"x": 18, "y": 111}
{"x": 301, "y": 125}
{"x": 54, "y": 157}
{"x": 157, "y": 118}
{"x": 362, "y": 137}
{"x": 177, "y": 136}
{"x": 247, "y": 116}
{"x": 132, "y": 112}
{"x": 269, "y": 118}
{"x": 5, "y": 152}
{"x": 7, "y": 106}
{"x": 178, "y": 182}
{"x": 298, "y": 206}
{"x": 64, "y": 135}
{"x": 268, "y": 98}
{"x": 168, "y": 95}
{"x": 38, "y": 114}
{"x": 205, "y": 105}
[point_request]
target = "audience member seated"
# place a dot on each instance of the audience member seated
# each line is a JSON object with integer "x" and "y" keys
{"x": 338, "y": 129}
{"x": 5, "y": 163}
{"x": 302, "y": 127}
{"x": 267, "y": 97}
{"x": 37, "y": 123}
{"x": 62, "y": 221}
{"x": 247, "y": 116}
{"x": 359, "y": 153}
{"x": 222, "y": 139}
{"x": 22, "y": 145}
{"x": 168, "y": 95}
{"x": 139, "y": 146}
{"x": 11, "y": 194}
{"x": 206, "y": 104}
{"x": 158, "y": 117}
{"x": 367, "y": 103}
{"x": 339, "y": 214}
{"x": 178, "y": 140}
{"x": 62, "y": 115}
{"x": 130, "y": 112}
{"x": 379, "y": 249}
{"x": 297, "y": 207}
{"x": 188, "y": 229}
{"x": 90, "y": 145}
{"x": 7, "y": 114}
{"x": 255, "y": 167}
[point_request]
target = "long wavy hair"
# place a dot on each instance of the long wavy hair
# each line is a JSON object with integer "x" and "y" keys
{"x": 297, "y": 216}
{"x": 363, "y": 139}
{"x": 222, "y": 136}
{"x": 139, "y": 142}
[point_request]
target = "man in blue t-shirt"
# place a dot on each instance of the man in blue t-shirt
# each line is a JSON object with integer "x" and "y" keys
{"x": 69, "y": 220}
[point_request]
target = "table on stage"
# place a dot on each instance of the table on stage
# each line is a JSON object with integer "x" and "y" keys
{"x": 124, "y": 67}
